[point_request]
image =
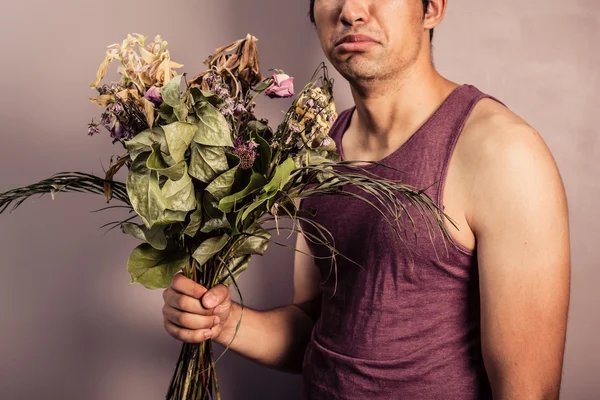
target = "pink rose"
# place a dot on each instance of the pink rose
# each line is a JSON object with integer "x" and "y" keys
{"x": 282, "y": 86}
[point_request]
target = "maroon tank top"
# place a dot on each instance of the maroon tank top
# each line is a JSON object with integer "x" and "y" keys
{"x": 404, "y": 323}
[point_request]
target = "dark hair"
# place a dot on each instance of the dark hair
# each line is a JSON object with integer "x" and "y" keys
{"x": 312, "y": 14}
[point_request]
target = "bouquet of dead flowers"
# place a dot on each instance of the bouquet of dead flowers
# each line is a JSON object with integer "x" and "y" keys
{"x": 205, "y": 174}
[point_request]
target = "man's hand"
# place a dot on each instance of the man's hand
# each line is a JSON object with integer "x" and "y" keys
{"x": 192, "y": 313}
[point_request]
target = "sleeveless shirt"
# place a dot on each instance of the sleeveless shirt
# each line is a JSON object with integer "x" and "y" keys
{"x": 400, "y": 315}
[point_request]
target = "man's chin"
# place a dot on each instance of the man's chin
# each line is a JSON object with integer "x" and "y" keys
{"x": 356, "y": 73}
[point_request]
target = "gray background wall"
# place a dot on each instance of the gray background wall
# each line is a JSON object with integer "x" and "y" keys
{"x": 72, "y": 327}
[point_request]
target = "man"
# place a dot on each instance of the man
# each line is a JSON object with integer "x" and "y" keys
{"x": 407, "y": 325}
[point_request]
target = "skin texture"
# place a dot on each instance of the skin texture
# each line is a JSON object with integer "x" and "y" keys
{"x": 503, "y": 190}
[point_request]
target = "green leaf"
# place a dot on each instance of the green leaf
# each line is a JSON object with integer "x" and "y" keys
{"x": 253, "y": 207}
{"x": 167, "y": 113}
{"x": 179, "y": 194}
{"x": 213, "y": 217}
{"x": 213, "y": 129}
{"x": 280, "y": 178}
{"x": 179, "y": 136}
{"x": 195, "y": 217}
{"x": 153, "y": 268}
{"x": 154, "y": 205}
{"x": 155, "y": 237}
{"x": 209, "y": 248}
{"x": 254, "y": 241}
{"x": 207, "y": 162}
{"x": 256, "y": 182}
{"x": 199, "y": 95}
{"x": 156, "y": 162}
{"x": 220, "y": 222}
{"x": 237, "y": 265}
{"x": 221, "y": 186}
{"x": 143, "y": 141}
{"x": 181, "y": 113}
{"x": 171, "y": 93}
{"x": 264, "y": 153}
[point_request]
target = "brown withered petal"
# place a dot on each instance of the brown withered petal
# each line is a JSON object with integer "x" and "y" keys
{"x": 220, "y": 52}
{"x": 103, "y": 100}
{"x": 124, "y": 94}
{"x": 249, "y": 68}
{"x": 198, "y": 80}
{"x": 232, "y": 62}
{"x": 101, "y": 71}
{"x": 148, "y": 111}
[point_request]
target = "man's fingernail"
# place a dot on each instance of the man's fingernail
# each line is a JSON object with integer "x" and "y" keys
{"x": 210, "y": 300}
{"x": 208, "y": 335}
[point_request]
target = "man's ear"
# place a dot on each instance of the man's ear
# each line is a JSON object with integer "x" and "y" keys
{"x": 435, "y": 13}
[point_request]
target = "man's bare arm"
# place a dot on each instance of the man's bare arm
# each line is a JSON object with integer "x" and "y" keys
{"x": 520, "y": 219}
{"x": 278, "y": 338}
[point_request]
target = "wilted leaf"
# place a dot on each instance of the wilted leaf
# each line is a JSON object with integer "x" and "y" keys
{"x": 221, "y": 186}
{"x": 254, "y": 241}
{"x": 213, "y": 217}
{"x": 155, "y": 237}
{"x": 179, "y": 135}
{"x": 181, "y": 112}
{"x": 220, "y": 222}
{"x": 198, "y": 95}
{"x": 153, "y": 268}
{"x": 213, "y": 129}
{"x": 156, "y": 162}
{"x": 179, "y": 194}
{"x": 236, "y": 266}
{"x": 167, "y": 113}
{"x": 264, "y": 153}
{"x": 207, "y": 162}
{"x": 142, "y": 142}
{"x": 209, "y": 248}
{"x": 171, "y": 91}
{"x": 154, "y": 205}
{"x": 256, "y": 182}
{"x": 195, "y": 217}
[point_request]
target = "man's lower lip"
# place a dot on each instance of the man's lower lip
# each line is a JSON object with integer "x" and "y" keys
{"x": 355, "y": 46}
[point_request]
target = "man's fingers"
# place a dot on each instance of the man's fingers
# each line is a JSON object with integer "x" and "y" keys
{"x": 185, "y": 303}
{"x": 187, "y": 320}
{"x": 187, "y": 335}
{"x": 187, "y": 286}
{"x": 215, "y": 296}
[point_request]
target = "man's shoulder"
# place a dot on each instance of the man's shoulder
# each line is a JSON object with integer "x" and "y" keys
{"x": 493, "y": 133}
{"x": 507, "y": 159}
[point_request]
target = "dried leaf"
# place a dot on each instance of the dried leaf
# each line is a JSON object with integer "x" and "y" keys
{"x": 111, "y": 172}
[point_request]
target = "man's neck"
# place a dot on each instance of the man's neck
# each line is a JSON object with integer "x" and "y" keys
{"x": 388, "y": 112}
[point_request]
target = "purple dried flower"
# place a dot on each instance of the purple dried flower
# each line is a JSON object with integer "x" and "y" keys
{"x": 116, "y": 108}
{"x": 222, "y": 91}
{"x": 226, "y": 108}
{"x": 93, "y": 128}
{"x": 239, "y": 108}
{"x": 246, "y": 151}
{"x": 154, "y": 95}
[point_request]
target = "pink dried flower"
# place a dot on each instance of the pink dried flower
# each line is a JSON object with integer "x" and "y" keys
{"x": 282, "y": 86}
